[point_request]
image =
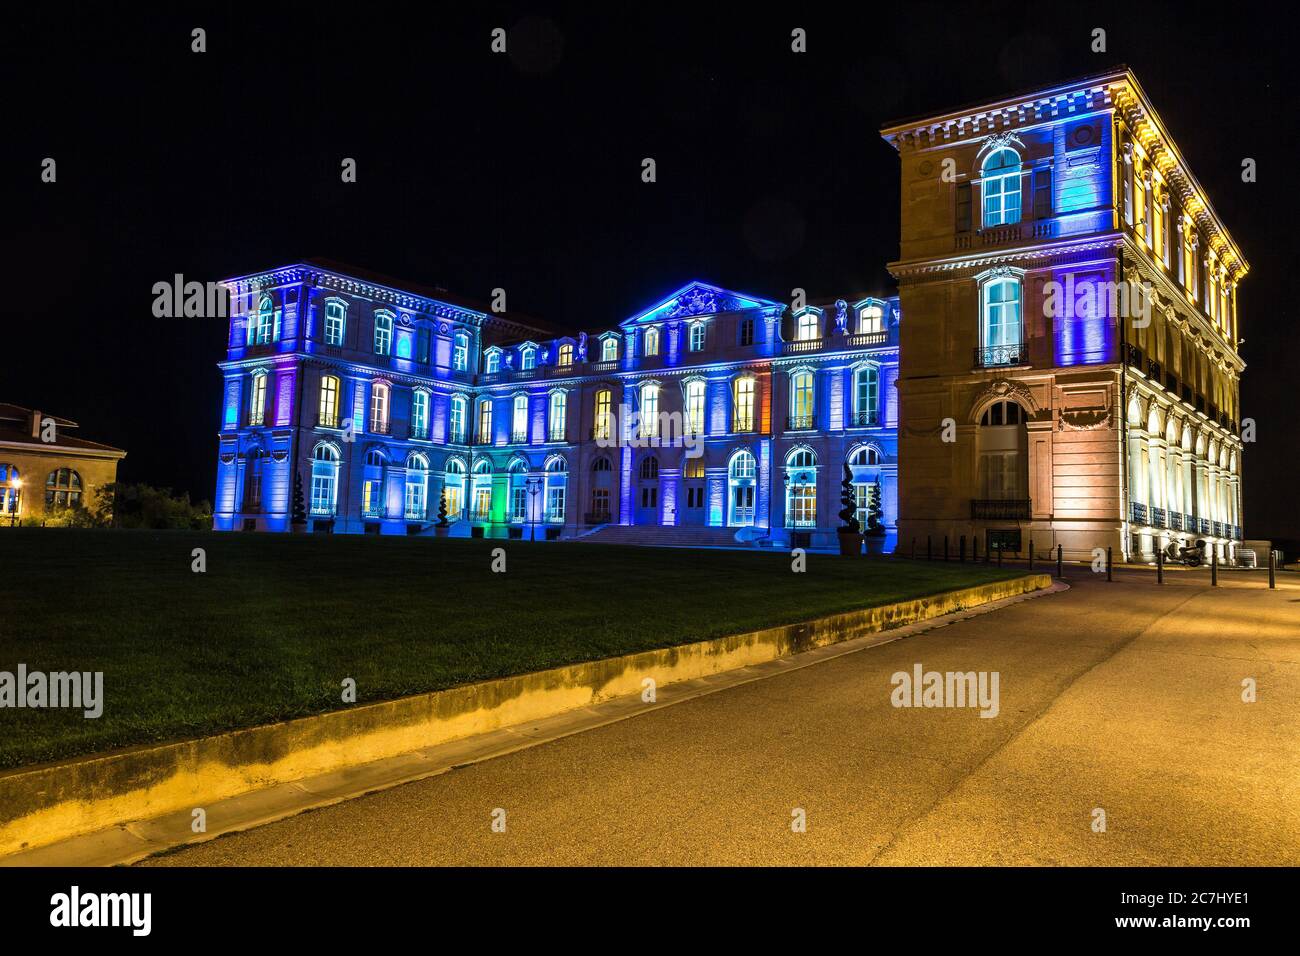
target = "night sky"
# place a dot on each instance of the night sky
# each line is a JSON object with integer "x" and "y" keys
{"x": 523, "y": 171}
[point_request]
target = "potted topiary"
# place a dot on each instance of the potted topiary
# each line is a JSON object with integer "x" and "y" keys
{"x": 298, "y": 519}
{"x": 850, "y": 533}
{"x": 875, "y": 533}
{"x": 441, "y": 527}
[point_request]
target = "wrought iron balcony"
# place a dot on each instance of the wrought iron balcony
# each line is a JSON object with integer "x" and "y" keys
{"x": 1000, "y": 509}
{"x": 1154, "y": 372}
{"x": 381, "y": 428}
{"x": 799, "y": 423}
{"x": 1218, "y": 529}
{"x": 801, "y": 523}
{"x": 557, "y": 436}
{"x": 327, "y": 421}
{"x": 1157, "y": 517}
{"x": 1204, "y": 525}
{"x": 1175, "y": 520}
{"x": 480, "y": 516}
{"x": 742, "y": 427}
{"x": 518, "y": 438}
{"x": 1139, "y": 513}
{"x": 456, "y": 437}
{"x": 601, "y": 432}
{"x": 1133, "y": 357}
{"x": 863, "y": 419}
{"x": 995, "y": 356}
{"x": 258, "y": 419}
{"x": 421, "y": 434}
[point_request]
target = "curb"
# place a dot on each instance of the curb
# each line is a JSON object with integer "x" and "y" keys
{"x": 47, "y": 804}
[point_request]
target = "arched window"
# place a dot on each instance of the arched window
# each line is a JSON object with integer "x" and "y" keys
{"x": 649, "y": 422}
{"x": 336, "y": 318}
{"x": 742, "y": 404}
{"x": 329, "y": 401}
{"x": 863, "y": 468}
{"x": 372, "y": 484}
{"x": 557, "y": 480}
{"x": 601, "y": 424}
{"x": 481, "y": 495}
{"x": 460, "y": 352}
{"x": 419, "y": 413}
{"x": 417, "y": 487}
{"x": 492, "y": 362}
{"x": 485, "y": 421}
{"x": 609, "y": 349}
{"x": 265, "y": 321}
{"x": 379, "y": 396}
{"x": 1000, "y": 182}
{"x": 649, "y": 468}
{"x": 695, "y": 407}
{"x": 324, "y": 479}
{"x": 741, "y": 475}
{"x": 557, "y": 415}
{"x": 865, "y": 455}
{"x": 697, "y": 337}
{"x": 565, "y": 356}
{"x": 453, "y": 486}
{"x": 1001, "y": 329}
{"x": 383, "y": 333}
{"x": 1003, "y": 460}
{"x": 601, "y": 464}
{"x": 518, "y": 471}
{"x": 871, "y": 318}
{"x": 801, "y": 489}
{"x": 10, "y": 487}
{"x": 866, "y": 395}
{"x": 528, "y": 359}
{"x": 459, "y": 407}
{"x": 806, "y": 326}
{"x": 63, "y": 489}
{"x": 519, "y": 420}
{"x": 257, "y": 399}
{"x": 801, "y": 401}
{"x": 652, "y": 341}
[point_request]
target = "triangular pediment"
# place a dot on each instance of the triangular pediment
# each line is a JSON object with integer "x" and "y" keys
{"x": 700, "y": 299}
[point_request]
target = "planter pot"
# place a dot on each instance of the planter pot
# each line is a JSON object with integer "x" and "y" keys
{"x": 850, "y": 543}
{"x": 298, "y": 527}
{"x": 875, "y": 544}
{"x": 440, "y": 530}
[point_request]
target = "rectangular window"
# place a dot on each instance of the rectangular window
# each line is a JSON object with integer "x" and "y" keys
{"x": 329, "y": 401}
{"x": 695, "y": 408}
{"x": 420, "y": 415}
{"x": 485, "y": 422}
{"x": 697, "y": 337}
{"x": 963, "y": 207}
{"x": 557, "y": 430}
{"x": 257, "y": 404}
{"x": 519, "y": 425}
{"x": 1042, "y": 193}
{"x": 746, "y": 331}
{"x": 650, "y": 411}
{"x": 555, "y": 503}
{"x": 600, "y": 501}
{"x": 602, "y": 414}
{"x": 335, "y": 313}
{"x": 422, "y": 346}
{"x": 518, "y": 504}
{"x": 742, "y": 419}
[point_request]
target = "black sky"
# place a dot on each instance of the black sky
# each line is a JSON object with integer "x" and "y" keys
{"x": 478, "y": 171}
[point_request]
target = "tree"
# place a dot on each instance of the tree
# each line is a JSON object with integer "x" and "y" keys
{"x": 875, "y": 527}
{"x": 849, "y": 513}
{"x": 299, "y": 505}
{"x": 442, "y": 509}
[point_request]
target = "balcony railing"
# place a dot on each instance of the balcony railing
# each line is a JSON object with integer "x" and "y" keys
{"x": 1000, "y": 509}
{"x": 994, "y": 356}
{"x": 1157, "y": 517}
{"x": 480, "y": 516}
{"x": 1218, "y": 529}
{"x": 801, "y": 522}
{"x": 863, "y": 419}
{"x": 1139, "y": 513}
{"x": 456, "y": 437}
{"x": 421, "y": 434}
{"x": 742, "y": 427}
{"x": 597, "y": 517}
{"x": 557, "y": 436}
{"x": 381, "y": 428}
{"x": 1133, "y": 357}
{"x": 1175, "y": 519}
{"x": 518, "y": 438}
{"x": 858, "y": 339}
{"x": 1204, "y": 524}
{"x": 601, "y": 432}
{"x": 1153, "y": 372}
{"x": 800, "y": 346}
{"x": 555, "y": 517}
{"x": 258, "y": 419}
{"x": 327, "y": 421}
{"x": 799, "y": 423}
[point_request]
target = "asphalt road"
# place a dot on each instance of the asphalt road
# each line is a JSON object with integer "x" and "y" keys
{"x": 1123, "y": 697}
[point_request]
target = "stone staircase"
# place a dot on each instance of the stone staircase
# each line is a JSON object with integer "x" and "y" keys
{"x": 658, "y": 536}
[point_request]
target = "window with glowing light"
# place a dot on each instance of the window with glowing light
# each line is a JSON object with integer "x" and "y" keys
{"x": 336, "y": 317}
{"x": 383, "y": 333}
{"x": 1001, "y": 188}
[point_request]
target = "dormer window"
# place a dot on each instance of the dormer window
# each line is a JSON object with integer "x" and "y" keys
{"x": 493, "y": 363}
{"x": 652, "y": 341}
{"x": 871, "y": 318}
{"x": 460, "y": 352}
{"x": 564, "y": 357}
{"x": 806, "y": 326}
{"x": 697, "y": 337}
{"x": 528, "y": 359}
{"x": 609, "y": 350}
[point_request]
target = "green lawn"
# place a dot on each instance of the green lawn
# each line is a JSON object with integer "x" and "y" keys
{"x": 277, "y": 621}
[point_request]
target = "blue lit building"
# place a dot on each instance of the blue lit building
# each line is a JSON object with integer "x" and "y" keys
{"x": 710, "y": 417}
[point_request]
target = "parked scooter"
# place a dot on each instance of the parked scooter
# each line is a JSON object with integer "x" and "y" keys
{"x": 1191, "y": 556}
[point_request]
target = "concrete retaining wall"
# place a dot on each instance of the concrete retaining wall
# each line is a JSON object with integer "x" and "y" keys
{"x": 45, "y": 804}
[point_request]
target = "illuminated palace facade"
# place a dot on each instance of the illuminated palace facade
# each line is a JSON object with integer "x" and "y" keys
{"x": 710, "y": 417}
{"x": 1070, "y": 369}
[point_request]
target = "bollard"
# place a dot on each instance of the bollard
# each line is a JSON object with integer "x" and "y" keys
{"x": 1160, "y": 564}
{"x": 1214, "y": 567}
{"x": 999, "y": 557}
{"x": 914, "y": 549}
{"x": 987, "y": 548}
{"x": 1272, "y": 577}
{"x": 1059, "y": 572}
{"x": 928, "y": 554}
{"x": 1031, "y": 554}
{"x": 974, "y": 549}
{"x": 1109, "y": 568}
{"x": 961, "y": 551}
{"x": 945, "y": 547}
